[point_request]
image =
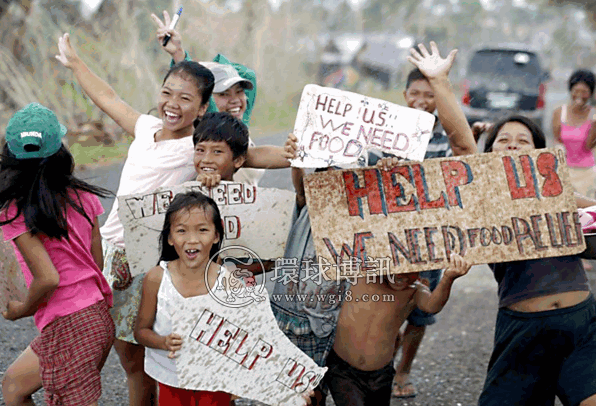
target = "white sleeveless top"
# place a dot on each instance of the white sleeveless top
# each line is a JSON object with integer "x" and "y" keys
{"x": 157, "y": 364}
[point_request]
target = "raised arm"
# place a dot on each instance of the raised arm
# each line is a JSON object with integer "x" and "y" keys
{"x": 96, "y": 88}
{"x": 435, "y": 301}
{"x": 451, "y": 116}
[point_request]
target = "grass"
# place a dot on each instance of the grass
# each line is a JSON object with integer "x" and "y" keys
{"x": 99, "y": 154}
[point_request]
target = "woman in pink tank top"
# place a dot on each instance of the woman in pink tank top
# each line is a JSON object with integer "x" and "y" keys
{"x": 573, "y": 128}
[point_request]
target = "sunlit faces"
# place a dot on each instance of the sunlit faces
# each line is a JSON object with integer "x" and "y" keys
{"x": 420, "y": 96}
{"x": 179, "y": 103}
{"x": 513, "y": 136}
{"x": 216, "y": 157}
{"x": 403, "y": 281}
{"x": 192, "y": 234}
{"x": 232, "y": 101}
{"x": 580, "y": 94}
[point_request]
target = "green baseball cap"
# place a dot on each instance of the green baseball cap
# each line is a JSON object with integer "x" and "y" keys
{"x": 34, "y": 132}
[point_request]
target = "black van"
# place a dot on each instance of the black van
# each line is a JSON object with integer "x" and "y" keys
{"x": 503, "y": 79}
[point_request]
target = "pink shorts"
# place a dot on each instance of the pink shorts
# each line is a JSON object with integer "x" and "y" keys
{"x": 71, "y": 350}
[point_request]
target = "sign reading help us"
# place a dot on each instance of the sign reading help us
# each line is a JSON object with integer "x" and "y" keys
{"x": 240, "y": 350}
{"x": 335, "y": 127}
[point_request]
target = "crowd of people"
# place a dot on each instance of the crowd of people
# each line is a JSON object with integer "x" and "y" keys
{"x": 84, "y": 299}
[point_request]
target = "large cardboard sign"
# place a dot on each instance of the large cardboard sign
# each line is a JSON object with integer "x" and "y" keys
{"x": 12, "y": 281}
{"x": 240, "y": 351}
{"x": 335, "y": 127}
{"x": 254, "y": 218}
{"x": 489, "y": 208}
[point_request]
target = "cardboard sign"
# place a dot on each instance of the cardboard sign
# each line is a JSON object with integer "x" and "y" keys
{"x": 12, "y": 281}
{"x": 489, "y": 208}
{"x": 240, "y": 351}
{"x": 257, "y": 219}
{"x": 335, "y": 127}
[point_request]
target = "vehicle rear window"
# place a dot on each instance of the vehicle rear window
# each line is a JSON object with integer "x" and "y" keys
{"x": 502, "y": 63}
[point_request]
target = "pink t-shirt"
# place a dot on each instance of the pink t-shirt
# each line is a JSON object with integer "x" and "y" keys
{"x": 574, "y": 140}
{"x": 81, "y": 281}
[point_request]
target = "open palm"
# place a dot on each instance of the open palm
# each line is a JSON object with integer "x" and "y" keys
{"x": 432, "y": 65}
{"x": 67, "y": 54}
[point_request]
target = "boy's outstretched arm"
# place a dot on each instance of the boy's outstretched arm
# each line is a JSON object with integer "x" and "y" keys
{"x": 435, "y": 301}
{"x": 270, "y": 156}
{"x": 97, "y": 89}
{"x": 451, "y": 116}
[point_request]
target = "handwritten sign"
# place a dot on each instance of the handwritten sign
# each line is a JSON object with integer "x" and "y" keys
{"x": 488, "y": 207}
{"x": 255, "y": 218}
{"x": 335, "y": 127}
{"x": 240, "y": 351}
{"x": 12, "y": 281}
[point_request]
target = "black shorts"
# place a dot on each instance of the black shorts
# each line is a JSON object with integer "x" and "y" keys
{"x": 538, "y": 356}
{"x": 352, "y": 387}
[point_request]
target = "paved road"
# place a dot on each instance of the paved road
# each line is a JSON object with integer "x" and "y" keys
{"x": 451, "y": 363}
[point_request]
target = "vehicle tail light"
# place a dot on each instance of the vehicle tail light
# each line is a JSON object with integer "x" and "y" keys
{"x": 541, "y": 94}
{"x": 465, "y": 89}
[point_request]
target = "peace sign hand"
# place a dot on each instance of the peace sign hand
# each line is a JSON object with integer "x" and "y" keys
{"x": 174, "y": 45}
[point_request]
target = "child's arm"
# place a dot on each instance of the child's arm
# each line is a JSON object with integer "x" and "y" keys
{"x": 174, "y": 45}
{"x": 434, "y": 302}
{"x": 583, "y": 201}
{"x": 144, "y": 333}
{"x": 96, "y": 250}
{"x": 451, "y": 116}
{"x": 267, "y": 157}
{"x": 97, "y": 89}
{"x": 45, "y": 277}
{"x": 290, "y": 151}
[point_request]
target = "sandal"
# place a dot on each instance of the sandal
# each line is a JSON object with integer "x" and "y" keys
{"x": 404, "y": 393}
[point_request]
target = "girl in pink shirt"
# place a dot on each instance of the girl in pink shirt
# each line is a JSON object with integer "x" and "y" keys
{"x": 573, "y": 128}
{"x": 50, "y": 218}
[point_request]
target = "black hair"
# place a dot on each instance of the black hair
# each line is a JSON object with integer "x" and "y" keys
{"x": 203, "y": 77}
{"x": 188, "y": 201}
{"x": 414, "y": 76}
{"x": 583, "y": 75}
{"x": 222, "y": 126}
{"x": 42, "y": 189}
{"x": 537, "y": 134}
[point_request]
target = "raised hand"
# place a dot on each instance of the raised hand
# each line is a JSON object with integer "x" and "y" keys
{"x": 67, "y": 54}
{"x": 174, "y": 45}
{"x": 432, "y": 65}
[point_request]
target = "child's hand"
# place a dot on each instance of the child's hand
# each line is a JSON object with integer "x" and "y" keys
{"x": 14, "y": 310}
{"x": 431, "y": 64}
{"x": 68, "y": 56}
{"x": 307, "y": 396}
{"x": 458, "y": 267}
{"x": 291, "y": 147}
{"x": 387, "y": 163}
{"x": 209, "y": 180}
{"x": 173, "y": 343}
{"x": 174, "y": 45}
{"x": 479, "y": 127}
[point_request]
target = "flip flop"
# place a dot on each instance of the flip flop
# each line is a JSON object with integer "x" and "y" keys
{"x": 402, "y": 388}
